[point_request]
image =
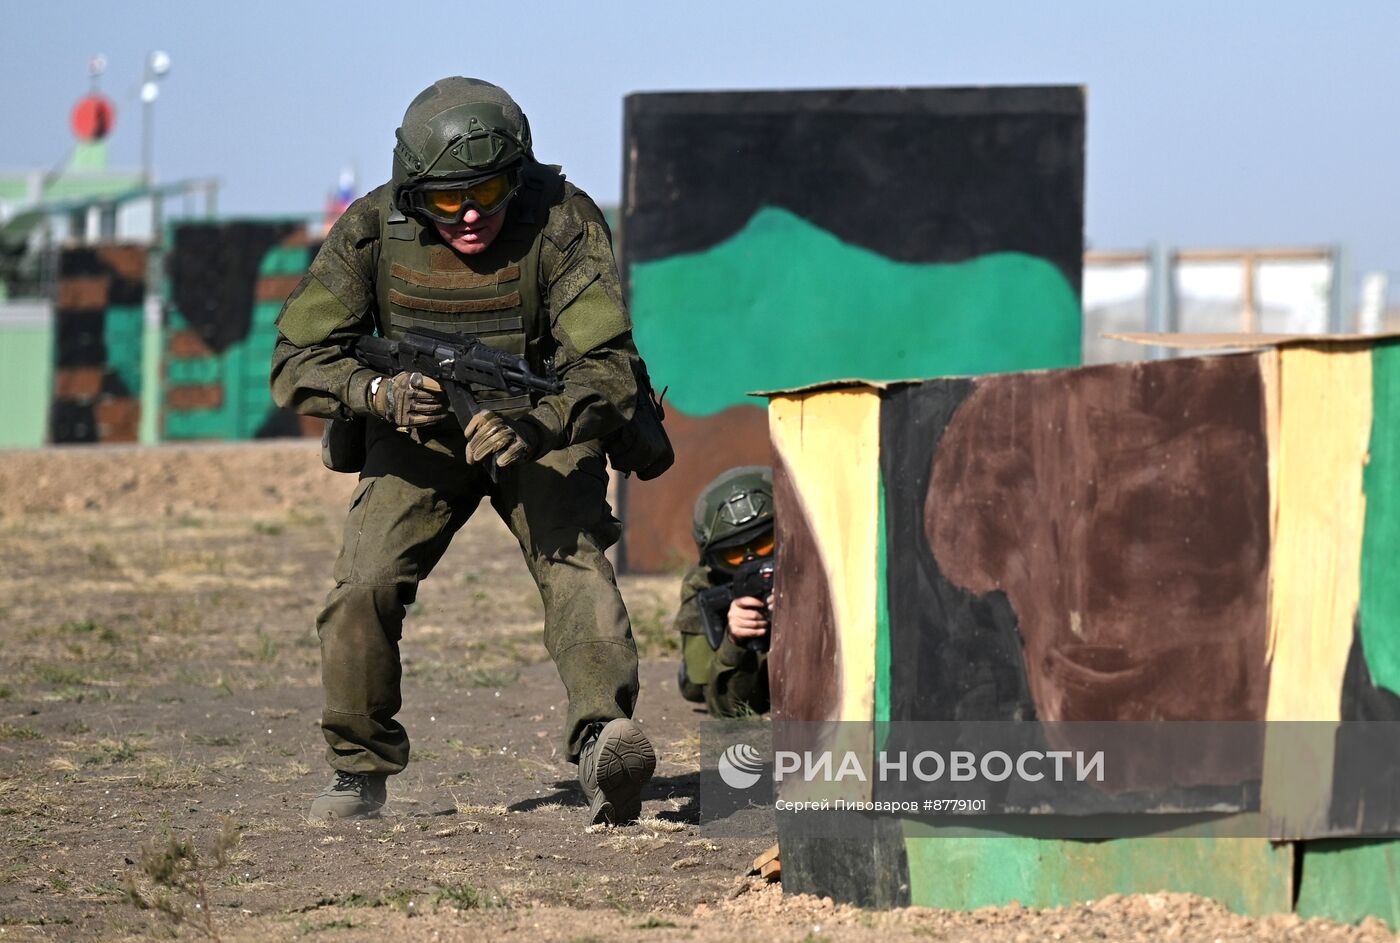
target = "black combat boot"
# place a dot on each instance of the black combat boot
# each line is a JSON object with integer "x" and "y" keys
{"x": 614, "y": 765}
{"x": 351, "y": 796}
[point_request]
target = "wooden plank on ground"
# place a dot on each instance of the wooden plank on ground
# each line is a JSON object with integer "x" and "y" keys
{"x": 770, "y": 855}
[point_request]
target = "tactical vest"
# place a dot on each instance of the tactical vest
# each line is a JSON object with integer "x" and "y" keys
{"x": 495, "y": 295}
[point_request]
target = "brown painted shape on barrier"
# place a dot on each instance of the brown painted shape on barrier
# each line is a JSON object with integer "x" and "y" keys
{"x": 803, "y": 670}
{"x": 127, "y": 261}
{"x": 1124, "y": 511}
{"x": 207, "y": 396}
{"x": 84, "y": 383}
{"x": 187, "y": 345}
{"x": 83, "y": 292}
{"x": 118, "y": 419}
{"x": 659, "y": 513}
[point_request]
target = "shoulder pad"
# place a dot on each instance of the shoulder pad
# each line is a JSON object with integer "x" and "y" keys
{"x": 571, "y": 215}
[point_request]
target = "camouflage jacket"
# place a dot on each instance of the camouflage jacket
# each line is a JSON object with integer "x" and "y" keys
{"x": 313, "y": 374}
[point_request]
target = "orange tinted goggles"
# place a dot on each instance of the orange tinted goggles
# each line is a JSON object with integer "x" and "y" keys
{"x": 734, "y": 556}
{"x": 450, "y": 204}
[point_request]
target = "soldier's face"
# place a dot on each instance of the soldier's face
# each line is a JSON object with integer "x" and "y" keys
{"x": 474, "y": 233}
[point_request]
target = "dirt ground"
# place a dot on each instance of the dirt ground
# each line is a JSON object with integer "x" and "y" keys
{"x": 158, "y": 742}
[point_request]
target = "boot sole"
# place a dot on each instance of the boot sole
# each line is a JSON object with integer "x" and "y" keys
{"x": 626, "y": 762}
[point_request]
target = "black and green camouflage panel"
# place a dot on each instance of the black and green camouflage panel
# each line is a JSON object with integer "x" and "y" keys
{"x": 228, "y": 281}
{"x": 779, "y": 239}
{"x": 98, "y": 324}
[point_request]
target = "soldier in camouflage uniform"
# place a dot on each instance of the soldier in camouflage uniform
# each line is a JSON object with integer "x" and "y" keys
{"x": 733, "y": 524}
{"x": 471, "y": 236}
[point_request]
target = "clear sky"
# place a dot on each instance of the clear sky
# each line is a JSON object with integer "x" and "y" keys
{"x": 1210, "y": 123}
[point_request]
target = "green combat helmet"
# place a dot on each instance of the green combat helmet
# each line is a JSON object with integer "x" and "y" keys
{"x": 734, "y": 509}
{"x": 458, "y": 133}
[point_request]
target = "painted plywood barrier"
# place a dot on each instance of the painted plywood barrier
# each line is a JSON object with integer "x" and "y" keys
{"x": 228, "y": 282}
{"x": 1251, "y": 876}
{"x": 1043, "y": 522}
{"x": 1349, "y": 880}
{"x": 1379, "y": 610}
{"x": 839, "y": 513}
{"x": 1202, "y": 539}
{"x": 1325, "y": 405}
{"x": 834, "y": 599}
{"x": 777, "y": 239}
{"x": 98, "y": 322}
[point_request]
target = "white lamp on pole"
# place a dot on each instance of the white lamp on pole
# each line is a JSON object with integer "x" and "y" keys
{"x": 157, "y": 65}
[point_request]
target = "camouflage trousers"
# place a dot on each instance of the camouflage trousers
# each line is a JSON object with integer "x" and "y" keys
{"x": 409, "y": 503}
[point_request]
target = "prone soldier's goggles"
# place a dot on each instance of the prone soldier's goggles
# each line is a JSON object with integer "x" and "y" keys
{"x": 448, "y": 201}
{"x": 760, "y": 546}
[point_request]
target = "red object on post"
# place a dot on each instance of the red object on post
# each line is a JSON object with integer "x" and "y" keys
{"x": 92, "y": 117}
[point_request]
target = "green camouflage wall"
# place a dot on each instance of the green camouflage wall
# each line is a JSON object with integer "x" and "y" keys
{"x": 227, "y": 283}
{"x": 97, "y": 328}
{"x": 778, "y": 239}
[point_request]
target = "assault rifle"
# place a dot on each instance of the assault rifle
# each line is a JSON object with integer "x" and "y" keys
{"x": 457, "y": 361}
{"x": 754, "y": 578}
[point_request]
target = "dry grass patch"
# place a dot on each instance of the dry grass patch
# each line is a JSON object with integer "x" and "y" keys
{"x": 19, "y": 732}
{"x": 467, "y": 808}
{"x": 651, "y": 626}
{"x": 637, "y": 844}
{"x": 163, "y": 772}
{"x": 111, "y": 753}
{"x": 229, "y": 761}
{"x": 31, "y": 800}
{"x": 286, "y": 774}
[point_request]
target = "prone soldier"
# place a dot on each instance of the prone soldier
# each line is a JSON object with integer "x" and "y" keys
{"x": 724, "y": 630}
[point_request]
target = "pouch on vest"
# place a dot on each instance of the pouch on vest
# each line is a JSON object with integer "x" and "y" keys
{"x": 343, "y": 445}
{"x": 641, "y": 446}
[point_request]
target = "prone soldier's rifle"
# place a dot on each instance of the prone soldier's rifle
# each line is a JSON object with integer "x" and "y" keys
{"x": 754, "y": 578}
{"x": 456, "y": 361}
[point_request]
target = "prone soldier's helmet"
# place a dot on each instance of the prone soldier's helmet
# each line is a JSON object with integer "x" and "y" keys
{"x": 462, "y": 144}
{"x": 734, "y": 516}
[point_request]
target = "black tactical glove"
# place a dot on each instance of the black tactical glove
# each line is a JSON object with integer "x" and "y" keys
{"x": 509, "y": 440}
{"x": 408, "y": 399}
